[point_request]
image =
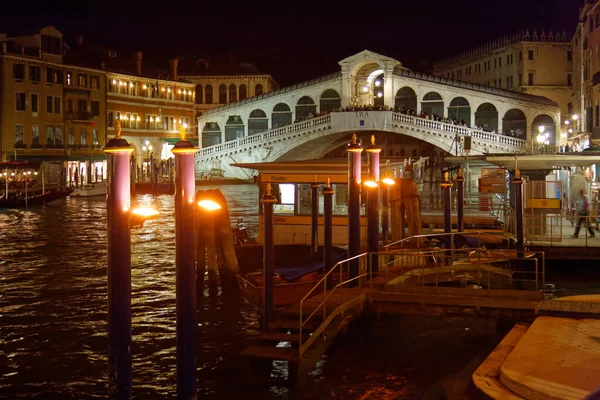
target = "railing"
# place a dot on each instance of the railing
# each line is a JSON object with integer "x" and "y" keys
{"x": 557, "y": 229}
{"x": 521, "y": 270}
{"x": 271, "y": 134}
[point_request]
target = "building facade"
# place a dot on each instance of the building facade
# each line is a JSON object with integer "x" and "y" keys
{"x": 532, "y": 63}
{"x": 50, "y": 112}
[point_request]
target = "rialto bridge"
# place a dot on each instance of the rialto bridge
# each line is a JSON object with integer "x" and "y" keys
{"x": 371, "y": 93}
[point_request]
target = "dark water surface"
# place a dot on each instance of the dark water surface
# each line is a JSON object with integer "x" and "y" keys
{"x": 53, "y": 330}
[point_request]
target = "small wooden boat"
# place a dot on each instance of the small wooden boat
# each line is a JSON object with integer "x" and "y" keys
{"x": 90, "y": 190}
{"x": 35, "y": 200}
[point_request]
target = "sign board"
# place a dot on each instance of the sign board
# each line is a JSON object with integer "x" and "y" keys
{"x": 543, "y": 203}
{"x": 493, "y": 172}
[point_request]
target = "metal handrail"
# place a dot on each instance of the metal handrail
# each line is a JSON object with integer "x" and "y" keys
{"x": 451, "y": 234}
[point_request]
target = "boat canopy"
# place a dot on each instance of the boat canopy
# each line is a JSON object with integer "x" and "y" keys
{"x": 19, "y": 165}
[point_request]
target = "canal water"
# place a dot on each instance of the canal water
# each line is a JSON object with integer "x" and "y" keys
{"x": 53, "y": 340}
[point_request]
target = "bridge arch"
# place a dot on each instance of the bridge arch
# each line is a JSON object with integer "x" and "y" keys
{"x": 281, "y": 115}
{"x": 460, "y": 110}
{"x": 329, "y": 100}
{"x": 486, "y": 117}
{"x": 432, "y": 104}
{"x": 549, "y": 130}
{"x": 211, "y": 134}
{"x": 234, "y": 128}
{"x": 514, "y": 123}
{"x": 406, "y": 97}
{"x": 304, "y": 107}
{"x": 258, "y": 122}
{"x": 364, "y": 76}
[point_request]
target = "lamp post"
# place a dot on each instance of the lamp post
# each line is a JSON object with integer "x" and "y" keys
{"x": 354, "y": 179}
{"x": 446, "y": 185}
{"x": 460, "y": 205}
{"x": 185, "y": 267}
{"x": 541, "y": 130}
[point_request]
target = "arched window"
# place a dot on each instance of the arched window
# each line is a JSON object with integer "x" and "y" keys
{"x": 486, "y": 117}
{"x": 222, "y": 94}
{"x": 514, "y": 124}
{"x": 406, "y": 98}
{"x": 543, "y": 125}
{"x": 257, "y": 122}
{"x": 234, "y": 128}
{"x": 211, "y": 134}
{"x": 198, "y": 94}
{"x": 305, "y": 107}
{"x": 281, "y": 116}
{"x": 460, "y": 110}
{"x": 243, "y": 93}
{"x": 258, "y": 89}
{"x": 208, "y": 96}
{"x": 232, "y": 93}
{"x": 330, "y": 100}
{"x": 432, "y": 104}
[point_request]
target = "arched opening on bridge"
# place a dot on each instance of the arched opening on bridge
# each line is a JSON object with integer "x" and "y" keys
{"x": 460, "y": 110}
{"x": 222, "y": 94}
{"x": 363, "y": 84}
{"x": 234, "y": 128}
{"x": 432, "y": 104}
{"x": 199, "y": 97}
{"x": 208, "y": 95}
{"x": 406, "y": 98}
{"x": 232, "y": 93}
{"x": 305, "y": 108}
{"x": 514, "y": 124}
{"x": 486, "y": 117}
{"x": 282, "y": 116}
{"x": 211, "y": 134}
{"x": 243, "y": 92}
{"x": 549, "y": 132}
{"x": 330, "y": 100}
{"x": 378, "y": 92}
{"x": 257, "y": 122}
{"x": 258, "y": 89}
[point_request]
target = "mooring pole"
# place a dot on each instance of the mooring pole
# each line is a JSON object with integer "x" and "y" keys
{"x": 268, "y": 202}
{"x": 460, "y": 204}
{"x": 446, "y": 185}
{"x": 385, "y": 212}
{"x": 354, "y": 180}
{"x": 373, "y": 204}
{"x": 185, "y": 267}
{"x": 518, "y": 182}
{"x": 314, "y": 221}
{"x": 327, "y": 227}
{"x": 118, "y": 209}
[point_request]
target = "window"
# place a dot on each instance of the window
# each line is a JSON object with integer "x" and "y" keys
{"x": 110, "y": 119}
{"x": 208, "y": 95}
{"x": 57, "y": 105}
{"x": 51, "y": 45}
{"x": 258, "y": 89}
{"x": 50, "y": 135}
{"x": 232, "y": 93}
{"x": 569, "y": 108}
{"x": 495, "y": 63}
{"x": 71, "y": 139}
{"x": 19, "y": 71}
{"x": 112, "y": 85}
{"x": 508, "y": 82}
{"x": 83, "y": 137}
{"x": 222, "y": 94}
{"x": 134, "y": 121}
{"x": 54, "y": 76}
{"x": 35, "y": 73}
{"x": 94, "y": 82}
{"x": 530, "y": 78}
{"x": 95, "y": 108}
{"x": 507, "y": 59}
{"x": 49, "y": 102}
{"x": 19, "y": 101}
{"x": 34, "y": 103}
{"x": 58, "y": 136}
{"x": 569, "y": 56}
{"x": 19, "y": 136}
{"x": 82, "y": 80}
{"x": 520, "y": 79}
{"x": 69, "y": 106}
{"x": 520, "y": 56}
{"x": 94, "y": 137}
{"x": 569, "y": 80}
{"x": 69, "y": 78}
{"x": 35, "y": 136}
{"x": 530, "y": 54}
{"x": 499, "y": 61}
{"x": 81, "y": 106}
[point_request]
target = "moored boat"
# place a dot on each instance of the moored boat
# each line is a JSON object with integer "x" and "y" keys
{"x": 89, "y": 190}
{"x": 35, "y": 200}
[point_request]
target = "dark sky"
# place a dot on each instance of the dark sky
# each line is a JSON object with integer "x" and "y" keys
{"x": 294, "y": 41}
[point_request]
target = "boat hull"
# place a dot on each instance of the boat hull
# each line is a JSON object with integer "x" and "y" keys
{"x": 37, "y": 200}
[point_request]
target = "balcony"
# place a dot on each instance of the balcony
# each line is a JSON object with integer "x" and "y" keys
{"x": 79, "y": 116}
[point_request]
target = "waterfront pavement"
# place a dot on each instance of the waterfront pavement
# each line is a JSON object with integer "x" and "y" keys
{"x": 554, "y": 358}
{"x": 562, "y": 236}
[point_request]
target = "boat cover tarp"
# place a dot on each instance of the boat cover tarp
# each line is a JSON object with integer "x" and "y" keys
{"x": 311, "y": 263}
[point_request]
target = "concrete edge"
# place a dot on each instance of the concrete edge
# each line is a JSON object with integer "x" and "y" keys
{"x": 487, "y": 376}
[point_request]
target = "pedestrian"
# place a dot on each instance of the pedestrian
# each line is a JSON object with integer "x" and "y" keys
{"x": 584, "y": 212}
{"x": 76, "y": 177}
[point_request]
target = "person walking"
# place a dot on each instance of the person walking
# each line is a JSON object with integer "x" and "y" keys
{"x": 584, "y": 212}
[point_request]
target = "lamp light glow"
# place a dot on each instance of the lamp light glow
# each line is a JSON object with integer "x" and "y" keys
{"x": 575, "y": 117}
{"x": 541, "y": 128}
{"x": 371, "y": 184}
{"x": 209, "y": 205}
{"x": 388, "y": 181}
{"x": 365, "y": 89}
{"x": 377, "y": 83}
{"x": 379, "y": 94}
{"x": 146, "y": 212}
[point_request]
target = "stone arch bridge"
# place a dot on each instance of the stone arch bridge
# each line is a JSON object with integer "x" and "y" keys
{"x": 371, "y": 93}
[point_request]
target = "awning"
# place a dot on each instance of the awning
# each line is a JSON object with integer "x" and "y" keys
{"x": 533, "y": 162}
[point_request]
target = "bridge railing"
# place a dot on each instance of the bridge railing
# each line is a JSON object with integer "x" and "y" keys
{"x": 461, "y": 130}
{"x": 428, "y": 265}
{"x": 260, "y": 137}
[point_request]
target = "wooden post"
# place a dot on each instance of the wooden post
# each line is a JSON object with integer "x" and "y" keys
{"x": 385, "y": 213}
{"x": 460, "y": 205}
{"x": 327, "y": 227}
{"x": 200, "y": 247}
{"x": 268, "y": 202}
{"x": 373, "y": 205}
{"x": 118, "y": 208}
{"x": 354, "y": 181}
{"x": 185, "y": 267}
{"x": 518, "y": 182}
{"x": 314, "y": 214}
{"x": 224, "y": 241}
{"x": 446, "y": 185}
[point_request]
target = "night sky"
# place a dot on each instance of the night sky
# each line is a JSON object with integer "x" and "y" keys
{"x": 294, "y": 41}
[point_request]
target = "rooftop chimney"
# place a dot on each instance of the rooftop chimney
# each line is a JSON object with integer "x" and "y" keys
{"x": 138, "y": 62}
{"x": 173, "y": 68}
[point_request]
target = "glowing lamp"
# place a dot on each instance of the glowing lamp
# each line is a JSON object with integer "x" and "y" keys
{"x": 371, "y": 184}
{"x": 388, "y": 181}
{"x": 377, "y": 83}
{"x": 541, "y": 128}
{"x": 567, "y": 122}
{"x": 114, "y": 81}
{"x": 209, "y": 205}
{"x": 575, "y": 117}
{"x": 365, "y": 89}
{"x": 379, "y": 94}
